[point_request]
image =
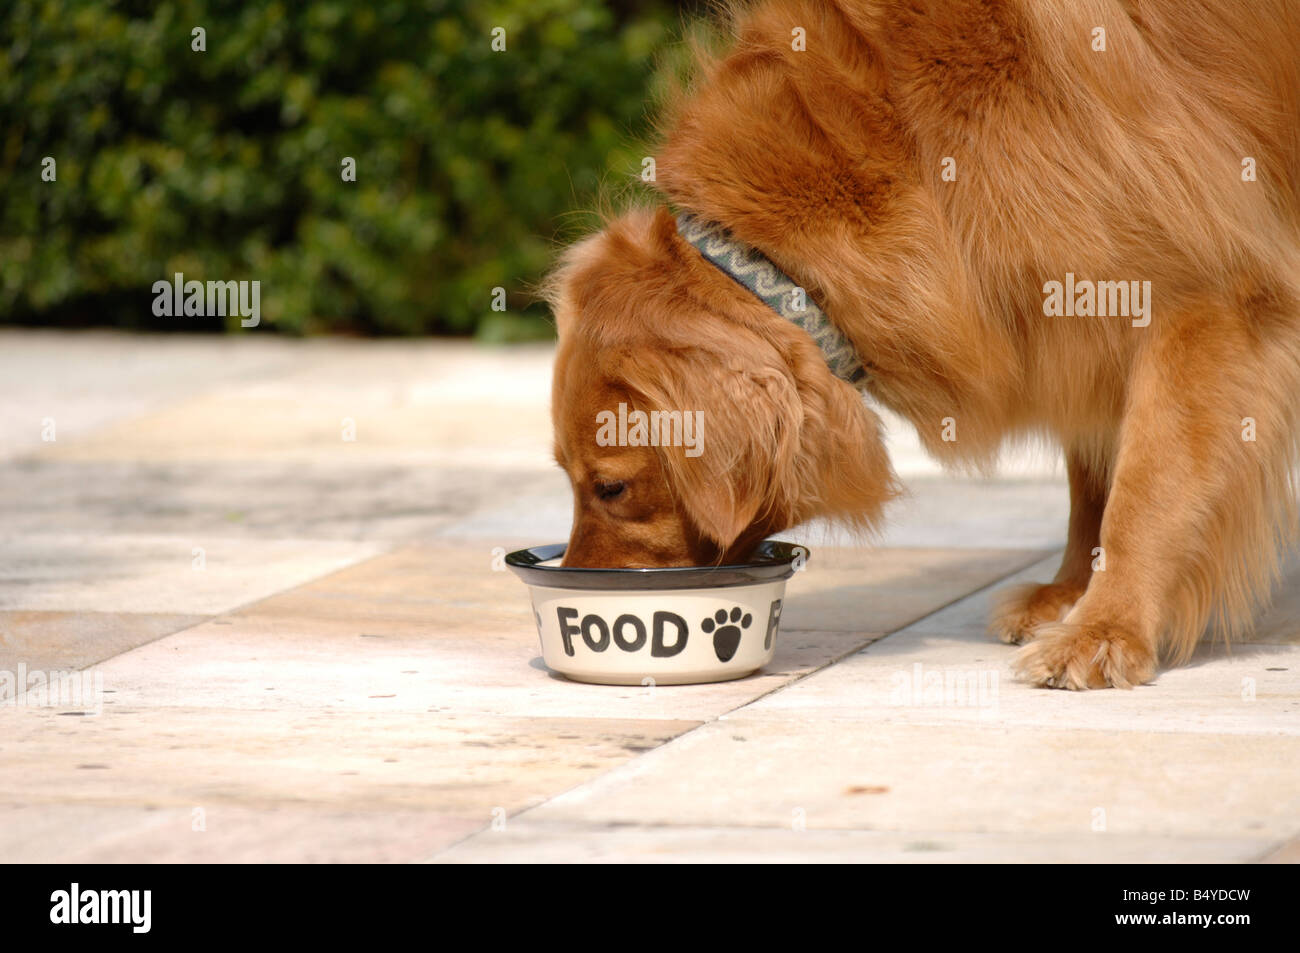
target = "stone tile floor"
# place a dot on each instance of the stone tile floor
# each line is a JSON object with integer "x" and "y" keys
{"x": 278, "y": 562}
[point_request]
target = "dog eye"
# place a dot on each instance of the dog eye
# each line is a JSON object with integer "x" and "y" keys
{"x": 610, "y": 489}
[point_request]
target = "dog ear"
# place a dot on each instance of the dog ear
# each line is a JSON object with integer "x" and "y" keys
{"x": 747, "y": 419}
{"x": 843, "y": 464}
{"x": 781, "y": 439}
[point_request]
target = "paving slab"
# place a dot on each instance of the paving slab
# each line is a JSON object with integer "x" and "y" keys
{"x": 192, "y": 573}
{"x": 57, "y": 385}
{"x": 372, "y": 501}
{"x": 344, "y": 765}
{"x": 834, "y": 774}
{"x": 428, "y": 402}
{"x": 222, "y": 833}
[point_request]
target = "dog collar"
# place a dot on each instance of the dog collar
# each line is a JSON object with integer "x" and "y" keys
{"x": 756, "y": 272}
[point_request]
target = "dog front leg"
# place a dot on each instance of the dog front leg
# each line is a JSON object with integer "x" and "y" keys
{"x": 1019, "y": 610}
{"x": 1197, "y": 505}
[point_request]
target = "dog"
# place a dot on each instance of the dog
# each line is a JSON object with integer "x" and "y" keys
{"x": 957, "y": 185}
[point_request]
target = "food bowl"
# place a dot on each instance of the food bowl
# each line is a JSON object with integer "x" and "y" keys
{"x": 671, "y": 626}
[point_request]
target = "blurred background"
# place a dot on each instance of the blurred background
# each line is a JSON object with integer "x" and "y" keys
{"x": 472, "y": 165}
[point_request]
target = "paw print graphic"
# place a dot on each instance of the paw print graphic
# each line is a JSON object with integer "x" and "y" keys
{"x": 726, "y": 638}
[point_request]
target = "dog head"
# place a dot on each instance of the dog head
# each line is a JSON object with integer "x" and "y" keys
{"x": 693, "y": 421}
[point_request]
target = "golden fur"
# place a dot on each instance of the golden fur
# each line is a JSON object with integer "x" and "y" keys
{"x": 1122, "y": 164}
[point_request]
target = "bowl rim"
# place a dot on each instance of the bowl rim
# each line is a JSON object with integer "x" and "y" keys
{"x": 773, "y": 561}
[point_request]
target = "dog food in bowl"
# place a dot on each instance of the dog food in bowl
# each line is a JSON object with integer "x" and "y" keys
{"x": 674, "y": 626}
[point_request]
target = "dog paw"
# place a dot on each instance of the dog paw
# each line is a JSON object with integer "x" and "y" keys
{"x": 1083, "y": 656}
{"x": 1019, "y": 610}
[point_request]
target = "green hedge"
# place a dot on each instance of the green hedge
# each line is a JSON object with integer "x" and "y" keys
{"x": 225, "y": 164}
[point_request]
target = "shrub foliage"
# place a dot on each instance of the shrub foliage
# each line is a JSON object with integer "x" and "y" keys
{"x": 226, "y": 164}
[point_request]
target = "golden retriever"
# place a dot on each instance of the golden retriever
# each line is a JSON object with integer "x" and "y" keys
{"x": 933, "y": 173}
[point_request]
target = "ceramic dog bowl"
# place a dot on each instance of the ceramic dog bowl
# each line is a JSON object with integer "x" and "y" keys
{"x": 673, "y": 626}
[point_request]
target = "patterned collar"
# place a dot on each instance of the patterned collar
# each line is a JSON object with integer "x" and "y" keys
{"x": 777, "y": 290}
